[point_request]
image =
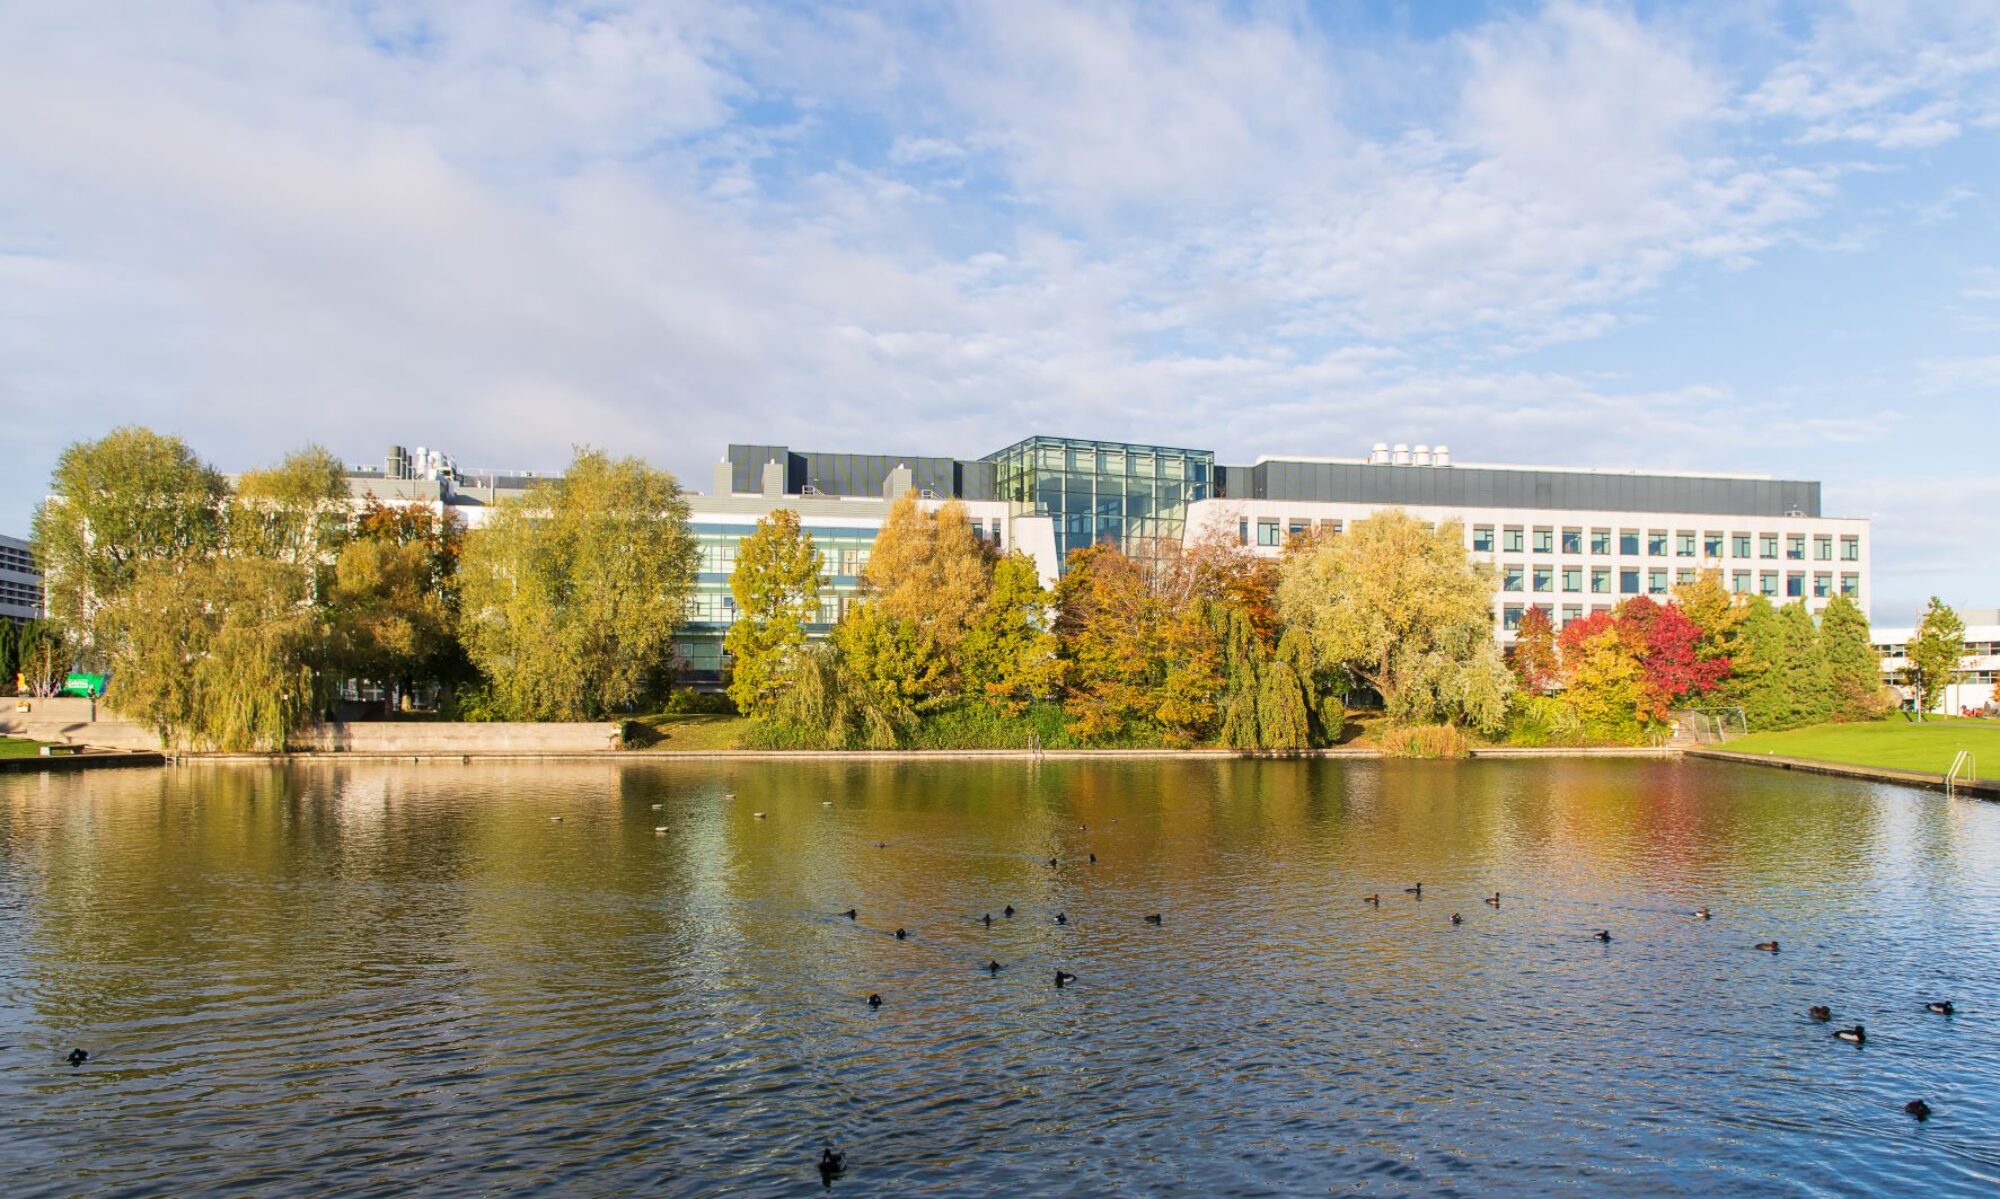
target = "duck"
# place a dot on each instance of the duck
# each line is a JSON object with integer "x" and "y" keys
{"x": 987, "y": 919}
{"x": 902, "y": 934}
{"x": 659, "y": 830}
{"x": 1820, "y": 1012}
{"x": 1008, "y": 911}
{"x": 1918, "y": 1108}
{"x": 1495, "y": 900}
{"x": 1768, "y": 946}
{"x": 825, "y": 803}
{"x": 658, "y": 807}
{"x": 881, "y": 845}
{"x": 831, "y": 1163}
{"x": 1052, "y": 863}
{"x": 1093, "y": 859}
{"x": 758, "y": 815}
{"x": 1374, "y": 899}
{"x": 1417, "y": 890}
{"x": 1064, "y": 977}
{"x": 992, "y": 967}
{"x": 1857, "y": 1034}
{"x": 1940, "y": 1007}
{"x": 874, "y": 1001}
{"x": 1457, "y": 919}
{"x": 1602, "y": 934}
{"x": 1702, "y": 914}
{"x": 1062, "y": 917}
{"x": 78, "y": 1057}
{"x": 850, "y": 914}
{"x": 1153, "y": 919}
{"x": 555, "y": 820}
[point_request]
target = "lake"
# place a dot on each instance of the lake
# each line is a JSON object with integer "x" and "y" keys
{"x": 383, "y": 979}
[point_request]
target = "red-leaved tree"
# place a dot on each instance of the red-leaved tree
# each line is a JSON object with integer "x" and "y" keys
{"x": 1535, "y": 651}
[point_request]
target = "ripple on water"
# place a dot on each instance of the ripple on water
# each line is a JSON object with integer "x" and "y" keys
{"x": 384, "y": 980}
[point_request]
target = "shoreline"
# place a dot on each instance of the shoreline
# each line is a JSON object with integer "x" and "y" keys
{"x": 637, "y": 757}
{"x": 1979, "y": 788}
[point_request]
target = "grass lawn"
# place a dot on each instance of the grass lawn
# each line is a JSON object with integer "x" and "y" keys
{"x": 1892, "y": 744}
{"x": 14, "y": 747}
{"x": 686, "y": 731}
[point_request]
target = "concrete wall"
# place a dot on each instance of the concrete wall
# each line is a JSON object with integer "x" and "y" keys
{"x": 73, "y": 722}
{"x": 418, "y": 737}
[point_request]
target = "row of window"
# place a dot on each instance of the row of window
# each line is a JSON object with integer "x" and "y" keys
{"x": 1516, "y": 576}
{"x": 13, "y": 559}
{"x": 1659, "y": 543}
{"x": 1973, "y": 649}
{"x": 719, "y": 607}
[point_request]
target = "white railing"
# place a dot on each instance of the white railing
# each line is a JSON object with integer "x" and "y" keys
{"x": 1964, "y": 764}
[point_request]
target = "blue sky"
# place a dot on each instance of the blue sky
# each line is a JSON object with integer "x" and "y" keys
{"x": 1738, "y": 236}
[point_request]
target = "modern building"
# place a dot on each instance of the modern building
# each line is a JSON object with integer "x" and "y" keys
{"x": 1565, "y": 539}
{"x": 20, "y": 581}
{"x": 1971, "y": 685}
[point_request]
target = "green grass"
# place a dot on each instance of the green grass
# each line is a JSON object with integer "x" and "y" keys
{"x": 1892, "y": 745}
{"x": 685, "y": 730}
{"x": 14, "y": 747}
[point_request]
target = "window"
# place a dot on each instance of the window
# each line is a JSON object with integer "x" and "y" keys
{"x": 1656, "y": 581}
{"x": 1545, "y": 540}
{"x": 1597, "y": 608}
{"x": 1243, "y": 531}
{"x": 1298, "y": 527}
{"x": 1572, "y": 613}
{"x": 1684, "y": 544}
{"x": 1572, "y": 578}
{"x": 1822, "y": 585}
{"x": 1822, "y": 549}
{"x": 1628, "y": 542}
{"x": 1482, "y": 539}
{"x": 1739, "y": 582}
{"x": 1572, "y": 541}
{"x": 1628, "y": 580}
{"x": 1795, "y": 547}
{"x": 1767, "y": 582}
{"x": 1600, "y": 541}
{"x": 1767, "y": 545}
{"x": 1683, "y": 576}
{"x": 1656, "y": 543}
{"x": 1545, "y": 578}
{"x": 1739, "y": 545}
{"x": 1600, "y": 580}
{"x": 1850, "y": 586}
{"x": 1711, "y": 545}
{"x": 1510, "y": 539}
{"x": 1510, "y": 617}
{"x": 1511, "y": 576}
{"x": 1330, "y": 528}
{"x": 1850, "y": 549}
{"x": 1267, "y": 532}
{"x": 1795, "y": 585}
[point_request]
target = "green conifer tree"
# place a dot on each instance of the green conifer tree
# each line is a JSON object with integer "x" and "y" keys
{"x": 1853, "y": 668}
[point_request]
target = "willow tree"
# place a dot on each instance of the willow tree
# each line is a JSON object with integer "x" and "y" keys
{"x": 218, "y": 654}
{"x": 130, "y": 498}
{"x": 296, "y": 512}
{"x": 1406, "y": 610}
{"x": 388, "y": 621}
{"x": 776, "y": 586}
{"x": 571, "y": 593}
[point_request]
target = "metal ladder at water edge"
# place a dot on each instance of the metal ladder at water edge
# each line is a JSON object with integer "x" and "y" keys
{"x": 1964, "y": 764}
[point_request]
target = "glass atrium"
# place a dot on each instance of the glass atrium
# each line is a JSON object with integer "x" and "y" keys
{"x": 1131, "y": 496}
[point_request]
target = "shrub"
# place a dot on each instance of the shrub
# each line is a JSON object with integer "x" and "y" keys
{"x": 685, "y": 701}
{"x": 1425, "y": 741}
{"x": 1540, "y": 720}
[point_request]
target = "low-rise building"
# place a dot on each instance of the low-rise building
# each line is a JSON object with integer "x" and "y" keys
{"x": 1971, "y": 685}
{"x": 20, "y": 581}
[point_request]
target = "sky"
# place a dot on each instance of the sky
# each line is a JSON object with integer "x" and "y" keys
{"x": 1739, "y": 236}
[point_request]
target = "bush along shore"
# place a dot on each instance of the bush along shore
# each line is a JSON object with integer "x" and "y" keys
{"x": 229, "y": 615}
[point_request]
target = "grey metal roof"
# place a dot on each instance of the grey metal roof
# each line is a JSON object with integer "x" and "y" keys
{"x": 1482, "y": 487}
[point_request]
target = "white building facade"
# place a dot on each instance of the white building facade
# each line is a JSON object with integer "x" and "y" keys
{"x": 20, "y": 581}
{"x": 1971, "y": 687}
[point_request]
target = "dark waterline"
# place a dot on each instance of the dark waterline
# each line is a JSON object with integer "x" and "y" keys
{"x": 381, "y": 979}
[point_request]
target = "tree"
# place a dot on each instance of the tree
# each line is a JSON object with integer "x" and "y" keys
{"x": 218, "y": 653}
{"x": 1668, "y": 648}
{"x": 296, "y": 512}
{"x": 1009, "y": 656}
{"x": 930, "y": 569}
{"x": 1807, "y": 684}
{"x": 776, "y": 585}
{"x": 1603, "y": 681}
{"x": 1934, "y": 652}
{"x": 1853, "y": 666}
{"x": 571, "y": 593}
{"x": 130, "y": 498}
{"x": 388, "y": 620}
{"x": 1714, "y": 611}
{"x": 1407, "y": 611}
{"x": 1109, "y": 627}
{"x": 1757, "y": 682}
{"x": 1535, "y": 651}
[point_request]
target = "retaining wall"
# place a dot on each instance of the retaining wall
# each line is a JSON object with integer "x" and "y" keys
{"x": 70, "y": 721}
{"x": 423, "y": 737}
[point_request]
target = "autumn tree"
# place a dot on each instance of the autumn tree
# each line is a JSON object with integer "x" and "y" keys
{"x": 776, "y": 585}
{"x": 1404, "y": 608}
{"x": 930, "y": 569}
{"x": 297, "y": 512}
{"x": 1853, "y": 667}
{"x": 1534, "y": 655}
{"x": 1935, "y": 649}
{"x": 571, "y": 592}
{"x": 1109, "y": 627}
{"x": 130, "y": 498}
{"x": 1009, "y": 656}
{"x": 1603, "y": 682}
{"x": 387, "y": 620}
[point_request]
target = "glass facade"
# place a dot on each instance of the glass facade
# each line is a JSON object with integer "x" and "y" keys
{"x": 1132, "y": 496}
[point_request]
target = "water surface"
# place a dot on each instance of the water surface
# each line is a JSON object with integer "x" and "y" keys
{"x": 386, "y": 979}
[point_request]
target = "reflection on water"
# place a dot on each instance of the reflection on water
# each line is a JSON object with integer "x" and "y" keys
{"x": 376, "y": 979}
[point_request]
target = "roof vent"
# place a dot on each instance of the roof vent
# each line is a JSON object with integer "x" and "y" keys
{"x": 1441, "y": 456}
{"x": 1400, "y": 456}
{"x": 1379, "y": 456}
{"x": 1421, "y": 456}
